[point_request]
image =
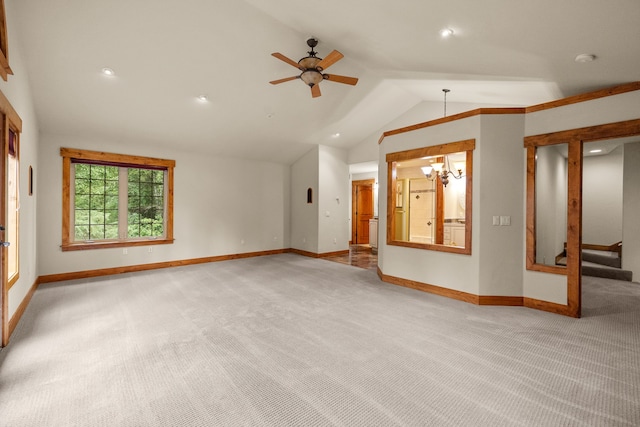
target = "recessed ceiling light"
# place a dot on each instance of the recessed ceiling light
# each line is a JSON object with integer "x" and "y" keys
{"x": 596, "y": 151}
{"x": 585, "y": 57}
{"x": 108, "y": 71}
{"x": 446, "y": 32}
{"x": 336, "y": 135}
{"x": 203, "y": 98}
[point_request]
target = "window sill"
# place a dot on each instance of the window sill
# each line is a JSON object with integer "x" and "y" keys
{"x": 81, "y": 246}
{"x": 431, "y": 247}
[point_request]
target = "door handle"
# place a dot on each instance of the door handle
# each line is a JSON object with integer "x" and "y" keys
{"x": 5, "y": 244}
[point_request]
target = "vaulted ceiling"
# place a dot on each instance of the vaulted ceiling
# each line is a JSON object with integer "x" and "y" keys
{"x": 167, "y": 53}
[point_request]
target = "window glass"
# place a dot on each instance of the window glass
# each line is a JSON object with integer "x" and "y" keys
{"x": 13, "y": 207}
{"x": 113, "y": 200}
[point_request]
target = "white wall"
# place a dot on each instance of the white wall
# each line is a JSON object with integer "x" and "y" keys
{"x": 221, "y": 206}
{"x": 18, "y": 92}
{"x": 333, "y": 200}
{"x": 304, "y": 216}
{"x": 448, "y": 270}
{"x": 630, "y": 215}
{"x": 500, "y": 178}
{"x": 602, "y": 198}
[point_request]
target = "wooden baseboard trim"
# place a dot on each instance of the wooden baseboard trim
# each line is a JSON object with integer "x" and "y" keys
{"x": 500, "y": 300}
{"x": 432, "y": 289}
{"x": 336, "y": 253}
{"x": 154, "y": 266}
{"x": 511, "y": 301}
{"x": 21, "y": 309}
{"x": 315, "y": 255}
{"x": 550, "y": 307}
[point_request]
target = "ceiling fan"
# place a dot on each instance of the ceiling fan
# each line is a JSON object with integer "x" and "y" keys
{"x": 312, "y": 69}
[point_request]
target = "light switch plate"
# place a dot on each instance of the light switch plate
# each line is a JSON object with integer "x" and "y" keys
{"x": 505, "y": 220}
{"x": 496, "y": 220}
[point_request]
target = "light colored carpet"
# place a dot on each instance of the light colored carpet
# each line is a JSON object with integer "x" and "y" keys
{"x": 288, "y": 340}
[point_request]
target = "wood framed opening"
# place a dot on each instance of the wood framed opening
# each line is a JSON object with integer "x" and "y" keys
{"x": 447, "y": 215}
{"x": 574, "y": 138}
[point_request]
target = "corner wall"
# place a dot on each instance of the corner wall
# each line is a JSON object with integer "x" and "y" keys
{"x": 222, "y": 206}
{"x": 304, "y": 216}
{"x": 333, "y": 200}
{"x": 322, "y": 226}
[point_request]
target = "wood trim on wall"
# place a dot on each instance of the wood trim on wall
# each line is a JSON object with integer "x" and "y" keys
{"x": 586, "y": 134}
{"x": 460, "y": 116}
{"x": 547, "y": 306}
{"x": 153, "y": 266}
{"x": 432, "y": 150}
{"x": 451, "y": 293}
{"x": 575, "y": 139}
{"x": 316, "y": 255}
{"x": 574, "y": 229}
{"x": 602, "y": 93}
{"x": 467, "y": 146}
{"x": 70, "y": 154}
{"x": 21, "y": 309}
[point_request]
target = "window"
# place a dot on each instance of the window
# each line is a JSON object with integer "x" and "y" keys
{"x": 429, "y": 197}
{"x": 13, "y": 207}
{"x": 114, "y": 200}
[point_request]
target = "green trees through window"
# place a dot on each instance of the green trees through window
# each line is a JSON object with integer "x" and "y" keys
{"x": 96, "y": 202}
{"x": 146, "y": 203}
{"x": 116, "y": 200}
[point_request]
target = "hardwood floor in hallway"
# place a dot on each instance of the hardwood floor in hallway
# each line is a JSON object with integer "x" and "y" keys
{"x": 358, "y": 256}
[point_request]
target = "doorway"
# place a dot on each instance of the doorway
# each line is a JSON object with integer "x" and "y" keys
{"x": 361, "y": 210}
{"x": 575, "y": 140}
{"x": 10, "y": 129}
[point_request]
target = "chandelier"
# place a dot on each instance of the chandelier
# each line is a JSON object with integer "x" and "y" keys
{"x": 443, "y": 170}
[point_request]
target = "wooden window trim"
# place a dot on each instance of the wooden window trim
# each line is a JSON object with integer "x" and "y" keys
{"x": 5, "y": 69}
{"x": 69, "y": 154}
{"x": 454, "y": 147}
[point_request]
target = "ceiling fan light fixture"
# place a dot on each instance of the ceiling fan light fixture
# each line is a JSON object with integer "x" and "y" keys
{"x": 309, "y": 62}
{"x": 311, "y": 77}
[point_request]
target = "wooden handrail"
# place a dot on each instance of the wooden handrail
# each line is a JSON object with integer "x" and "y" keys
{"x": 614, "y": 247}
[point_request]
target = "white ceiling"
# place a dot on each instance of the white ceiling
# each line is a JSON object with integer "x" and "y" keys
{"x": 166, "y": 53}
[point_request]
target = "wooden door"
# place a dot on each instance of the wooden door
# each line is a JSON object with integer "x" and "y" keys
{"x": 362, "y": 210}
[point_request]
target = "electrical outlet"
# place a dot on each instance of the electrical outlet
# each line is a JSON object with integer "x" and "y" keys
{"x": 125, "y": 251}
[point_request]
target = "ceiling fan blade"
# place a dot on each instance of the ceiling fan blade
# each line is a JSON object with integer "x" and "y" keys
{"x": 329, "y": 60}
{"x": 286, "y": 79}
{"x": 315, "y": 91}
{"x": 341, "y": 79}
{"x": 285, "y": 59}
